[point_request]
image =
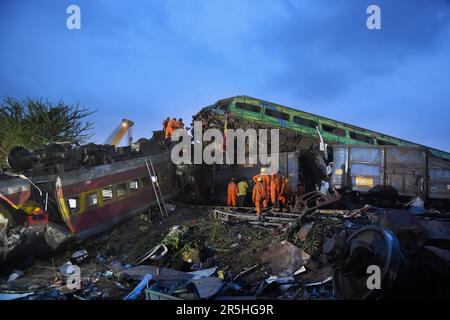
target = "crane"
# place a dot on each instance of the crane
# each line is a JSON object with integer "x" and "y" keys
{"x": 118, "y": 133}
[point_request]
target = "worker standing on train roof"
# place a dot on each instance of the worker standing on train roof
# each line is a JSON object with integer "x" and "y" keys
{"x": 285, "y": 193}
{"x": 242, "y": 192}
{"x": 180, "y": 124}
{"x": 259, "y": 196}
{"x": 171, "y": 126}
{"x": 165, "y": 123}
{"x": 232, "y": 192}
{"x": 275, "y": 187}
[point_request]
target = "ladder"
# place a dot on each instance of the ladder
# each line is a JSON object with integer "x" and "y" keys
{"x": 156, "y": 188}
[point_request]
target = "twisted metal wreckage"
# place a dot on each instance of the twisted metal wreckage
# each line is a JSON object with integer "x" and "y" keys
{"x": 360, "y": 199}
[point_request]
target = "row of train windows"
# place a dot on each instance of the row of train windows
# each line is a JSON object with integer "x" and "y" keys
{"x": 92, "y": 199}
{"x": 309, "y": 123}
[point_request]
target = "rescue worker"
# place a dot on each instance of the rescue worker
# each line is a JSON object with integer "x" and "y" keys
{"x": 285, "y": 193}
{"x": 259, "y": 196}
{"x": 266, "y": 182}
{"x": 232, "y": 192}
{"x": 275, "y": 187}
{"x": 242, "y": 192}
{"x": 171, "y": 126}
{"x": 180, "y": 124}
{"x": 165, "y": 123}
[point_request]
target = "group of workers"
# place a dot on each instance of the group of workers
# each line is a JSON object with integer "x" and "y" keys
{"x": 268, "y": 188}
{"x": 170, "y": 125}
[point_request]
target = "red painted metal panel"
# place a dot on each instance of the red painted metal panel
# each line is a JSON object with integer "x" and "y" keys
{"x": 115, "y": 210}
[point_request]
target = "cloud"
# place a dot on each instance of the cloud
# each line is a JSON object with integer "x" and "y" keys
{"x": 149, "y": 59}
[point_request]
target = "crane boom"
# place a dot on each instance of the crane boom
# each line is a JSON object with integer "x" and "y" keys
{"x": 118, "y": 133}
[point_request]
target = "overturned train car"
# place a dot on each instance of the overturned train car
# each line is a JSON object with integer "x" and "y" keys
{"x": 79, "y": 203}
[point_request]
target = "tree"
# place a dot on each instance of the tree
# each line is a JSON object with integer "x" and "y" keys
{"x": 33, "y": 123}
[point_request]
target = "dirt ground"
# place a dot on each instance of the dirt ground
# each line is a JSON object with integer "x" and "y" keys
{"x": 203, "y": 242}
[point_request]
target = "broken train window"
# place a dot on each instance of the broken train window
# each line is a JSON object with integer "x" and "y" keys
{"x": 107, "y": 194}
{"x": 278, "y": 114}
{"x": 91, "y": 199}
{"x": 121, "y": 190}
{"x": 134, "y": 185}
{"x": 384, "y": 143}
{"x": 73, "y": 204}
{"x": 305, "y": 122}
{"x": 361, "y": 137}
{"x": 337, "y": 131}
{"x": 248, "y": 107}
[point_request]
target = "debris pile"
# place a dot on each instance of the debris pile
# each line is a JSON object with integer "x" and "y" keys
{"x": 324, "y": 254}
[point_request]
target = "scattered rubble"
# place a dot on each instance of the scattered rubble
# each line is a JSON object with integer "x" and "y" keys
{"x": 320, "y": 255}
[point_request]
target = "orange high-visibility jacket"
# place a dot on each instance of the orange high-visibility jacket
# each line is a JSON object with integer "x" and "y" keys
{"x": 259, "y": 197}
{"x": 266, "y": 183}
{"x": 275, "y": 187}
{"x": 180, "y": 124}
{"x": 285, "y": 188}
{"x": 232, "y": 192}
{"x": 259, "y": 192}
{"x": 171, "y": 126}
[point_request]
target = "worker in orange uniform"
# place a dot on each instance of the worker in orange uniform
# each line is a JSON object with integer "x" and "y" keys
{"x": 165, "y": 123}
{"x": 259, "y": 196}
{"x": 171, "y": 126}
{"x": 285, "y": 193}
{"x": 180, "y": 124}
{"x": 265, "y": 181}
{"x": 232, "y": 192}
{"x": 275, "y": 187}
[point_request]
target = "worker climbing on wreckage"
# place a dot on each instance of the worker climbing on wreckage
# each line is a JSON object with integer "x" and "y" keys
{"x": 165, "y": 123}
{"x": 180, "y": 124}
{"x": 171, "y": 127}
{"x": 259, "y": 196}
{"x": 275, "y": 187}
{"x": 232, "y": 192}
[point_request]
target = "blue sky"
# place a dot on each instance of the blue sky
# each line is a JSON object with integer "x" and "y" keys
{"x": 145, "y": 60}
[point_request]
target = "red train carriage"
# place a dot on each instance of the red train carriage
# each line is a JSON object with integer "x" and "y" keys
{"x": 84, "y": 202}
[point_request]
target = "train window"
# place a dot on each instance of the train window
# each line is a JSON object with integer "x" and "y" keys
{"x": 107, "y": 194}
{"x": 121, "y": 190}
{"x": 383, "y": 142}
{"x": 91, "y": 199}
{"x": 305, "y": 122}
{"x": 145, "y": 182}
{"x": 337, "y": 131}
{"x": 248, "y": 107}
{"x": 340, "y": 132}
{"x": 277, "y": 114}
{"x": 361, "y": 137}
{"x": 134, "y": 185}
{"x": 328, "y": 128}
{"x": 74, "y": 204}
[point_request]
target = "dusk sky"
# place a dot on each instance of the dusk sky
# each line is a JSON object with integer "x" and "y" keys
{"x": 145, "y": 60}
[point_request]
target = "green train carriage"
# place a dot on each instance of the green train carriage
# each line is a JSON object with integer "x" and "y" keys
{"x": 304, "y": 124}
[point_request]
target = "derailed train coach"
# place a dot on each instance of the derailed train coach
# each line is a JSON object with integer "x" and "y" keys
{"x": 48, "y": 210}
{"x": 406, "y": 171}
{"x": 302, "y": 131}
